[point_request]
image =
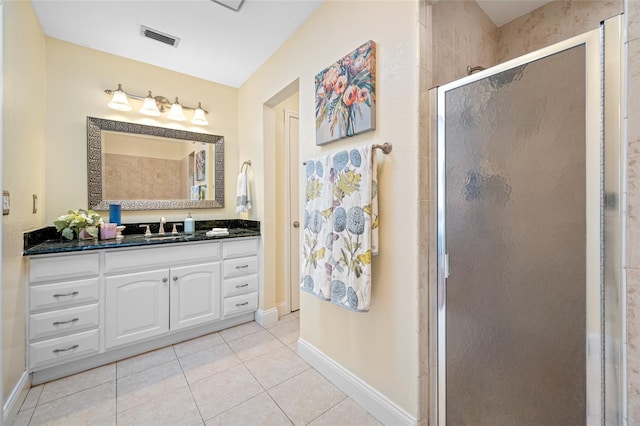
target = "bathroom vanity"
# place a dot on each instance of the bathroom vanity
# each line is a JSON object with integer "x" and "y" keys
{"x": 94, "y": 304}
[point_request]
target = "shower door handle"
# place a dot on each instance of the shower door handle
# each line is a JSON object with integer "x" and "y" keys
{"x": 447, "y": 266}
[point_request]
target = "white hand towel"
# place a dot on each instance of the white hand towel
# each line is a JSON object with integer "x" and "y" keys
{"x": 243, "y": 198}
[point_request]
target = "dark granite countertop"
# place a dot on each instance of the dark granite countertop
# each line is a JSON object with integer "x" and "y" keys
{"x": 48, "y": 241}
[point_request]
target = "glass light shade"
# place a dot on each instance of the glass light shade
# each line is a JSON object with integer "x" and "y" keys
{"x": 176, "y": 112}
{"x": 119, "y": 100}
{"x": 199, "y": 117}
{"x": 150, "y": 107}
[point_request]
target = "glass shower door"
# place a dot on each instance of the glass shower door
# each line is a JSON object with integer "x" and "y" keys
{"x": 519, "y": 187}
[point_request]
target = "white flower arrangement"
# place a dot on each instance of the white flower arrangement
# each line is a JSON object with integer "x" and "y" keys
{"x": 76, "y": 221}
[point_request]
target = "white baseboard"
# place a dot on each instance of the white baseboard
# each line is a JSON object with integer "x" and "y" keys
{"x": 283, "y": 309}
{"x": 267, "y": 318}
{"x": 16, "y": 398}
{"x": 378, "y": 405}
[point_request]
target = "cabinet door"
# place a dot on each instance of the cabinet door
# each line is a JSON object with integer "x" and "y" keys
{"x": 136, "y": 306}
{"x": 195, "y": 295}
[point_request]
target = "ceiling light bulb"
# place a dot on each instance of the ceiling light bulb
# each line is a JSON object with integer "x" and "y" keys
{"x": 176, "y": 112}
{"x": 198, "y": 116}
{"x": 150, "y": 107}
{"x": 119, "y": 100}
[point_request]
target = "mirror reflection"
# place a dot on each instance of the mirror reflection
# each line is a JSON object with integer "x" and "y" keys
{"x": 146, "y": 167}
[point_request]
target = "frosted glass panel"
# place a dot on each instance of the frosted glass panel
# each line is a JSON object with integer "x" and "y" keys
{"x": 515, "y": 234}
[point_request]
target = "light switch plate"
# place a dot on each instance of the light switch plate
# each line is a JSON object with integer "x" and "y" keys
{"x": 6, "y": 201}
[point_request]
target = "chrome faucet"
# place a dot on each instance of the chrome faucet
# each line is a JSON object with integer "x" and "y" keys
{"x": 162, "y": 222}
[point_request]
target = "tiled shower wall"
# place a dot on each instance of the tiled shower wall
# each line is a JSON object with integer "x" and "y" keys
{"x": 455, "y": 34}
{"x": 633, "y": 212}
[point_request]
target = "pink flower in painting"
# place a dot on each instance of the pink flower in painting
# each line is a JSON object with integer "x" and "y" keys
{"x": 350, "y": 95}
{"x": 363, "y": 95}
{"x": 330, "y": 78}
{"x": 341, "y": 84}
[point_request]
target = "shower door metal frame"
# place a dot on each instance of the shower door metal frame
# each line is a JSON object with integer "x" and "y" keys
{"x": 604, "y": 154}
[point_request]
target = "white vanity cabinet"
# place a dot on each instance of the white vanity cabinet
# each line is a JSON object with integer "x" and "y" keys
{"x": 64, "y": 310}
{"x": 88, "y": 309}
{"x": 148, "y": 304}
{"x": 143, "y": 301}
{"x": 137, "y": 307}
{"x": 195, "y": 295}
{"x": 240, "y": 269}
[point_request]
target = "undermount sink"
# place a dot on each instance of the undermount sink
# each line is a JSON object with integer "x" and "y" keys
{"x": 156, "y": 237}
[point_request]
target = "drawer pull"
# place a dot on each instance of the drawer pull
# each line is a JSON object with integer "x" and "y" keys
{"x": 241, "y": 304}
{"x": 165, "y": 279}
{"x": 65, "y": 322}
{"x": 70, "y": 348}
{"x": 73, "y": 293}
{"x": 242, "y": 266}
{"x": 242, "y": 285}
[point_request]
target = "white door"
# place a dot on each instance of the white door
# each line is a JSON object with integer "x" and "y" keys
{"x": 136, "y": 306}
{"x": 195, "y": 295}
{"x": 291, "y": 138}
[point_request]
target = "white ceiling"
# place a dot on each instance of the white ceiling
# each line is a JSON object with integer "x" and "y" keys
{"x": 503, "y": 11}
{"x": 216, "y": 43}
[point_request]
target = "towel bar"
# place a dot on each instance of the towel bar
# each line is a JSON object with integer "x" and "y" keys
{"x": 385, "y": 148}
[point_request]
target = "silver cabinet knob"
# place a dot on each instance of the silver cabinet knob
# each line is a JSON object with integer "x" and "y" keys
{"x": 296, "y": 224}
{"x": 175, "y": 278}
{"x": 164, "y": 280}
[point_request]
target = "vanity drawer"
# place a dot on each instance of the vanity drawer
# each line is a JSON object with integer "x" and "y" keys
{"x": 239, "y": 304}
{"x": 159, "y": 257}
{"x": 65, "y": 321}
{"x": 58, "y": 268}
{"x": 241, "y": 248}
{"x": 242, "y": 266}
{"x": 57, "y": 351}
{"x": 55, "y": 296}
{"x": 241, "y": 285}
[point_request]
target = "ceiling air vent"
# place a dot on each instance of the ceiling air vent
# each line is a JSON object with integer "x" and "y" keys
{"x": 159, "y": 36}
{"x": 231, "y": 4}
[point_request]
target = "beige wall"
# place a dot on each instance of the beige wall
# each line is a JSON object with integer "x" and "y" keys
{"x": 76, "y": 80}
{"x": 24, "y": 153}
{"x": 291, "y": 104}
{"x": 380, "y": 346}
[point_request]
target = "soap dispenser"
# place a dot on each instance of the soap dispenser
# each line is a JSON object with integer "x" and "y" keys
{"x": 189, "y": 225}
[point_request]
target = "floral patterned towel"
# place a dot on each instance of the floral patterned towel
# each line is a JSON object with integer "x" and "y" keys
{"x": 355, "y": 226}
{"x": 341, "y": 227}
{"x": 318, "y": 229}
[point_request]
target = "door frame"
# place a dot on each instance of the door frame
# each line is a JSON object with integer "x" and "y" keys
{"x": 601, "y": 223}
{"x": 288, "y": 115}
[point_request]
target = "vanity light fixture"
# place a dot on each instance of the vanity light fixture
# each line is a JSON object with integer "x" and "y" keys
{"x": 198, "y": 116}
{"x": 119, "y": 100}
{"x": 156, "y": 105}
{"x": 176, "y": 112}
{"x": 150, "y": 107}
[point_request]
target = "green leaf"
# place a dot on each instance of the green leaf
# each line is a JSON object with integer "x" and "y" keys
{"x": 67, "y": 233}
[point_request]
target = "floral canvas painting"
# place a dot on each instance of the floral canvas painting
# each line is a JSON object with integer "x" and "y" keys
{"x": 345, "y": 96}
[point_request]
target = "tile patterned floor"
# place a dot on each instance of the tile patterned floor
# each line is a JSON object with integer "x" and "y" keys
{"x": 245, "y": 375}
